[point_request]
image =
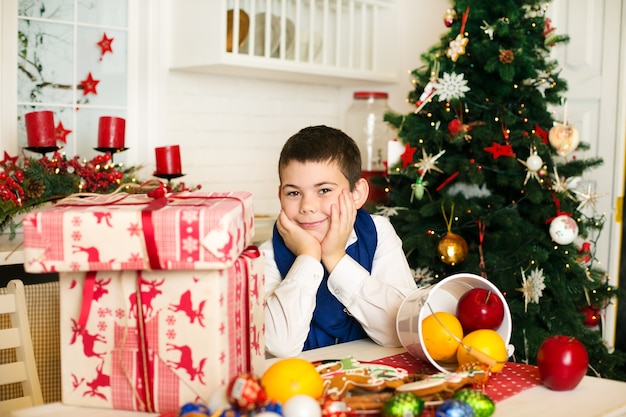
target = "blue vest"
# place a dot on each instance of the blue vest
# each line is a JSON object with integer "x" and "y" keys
{"x": 331, "y": 323}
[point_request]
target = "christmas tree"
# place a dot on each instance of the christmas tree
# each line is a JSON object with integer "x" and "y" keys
{"x": 487, "y": 182}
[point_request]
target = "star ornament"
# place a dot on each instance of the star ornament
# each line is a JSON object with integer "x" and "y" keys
{"x": 533, "y": 164}
{"x": 488, "y": 29}
{"x": 532, "y": 287}
{"x": 457, "y": 47}
{"x": 562, "y": 184}
{"x": 587, "y": 199}
{"x": 498, "y": 150}
{"x": 407, "y": 156}
{"x": 8, "y": 161}
{"x": 427, "y": 163}
{"x": 89, "y": 85}
{"x": 60, "y": 132}
{"x": 105, "y": 45}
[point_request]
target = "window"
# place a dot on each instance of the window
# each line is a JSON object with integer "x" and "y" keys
{"x": 72, "y": 59}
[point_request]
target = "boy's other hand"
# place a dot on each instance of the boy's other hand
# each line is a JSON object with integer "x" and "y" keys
{"x": 298, "y": 240}
{"x": 342, "y": 218}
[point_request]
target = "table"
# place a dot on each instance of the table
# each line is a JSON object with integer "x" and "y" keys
{"x": 593, "y": 397}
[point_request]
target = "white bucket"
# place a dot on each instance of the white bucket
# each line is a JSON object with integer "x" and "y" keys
{"x": 443, "y": 296}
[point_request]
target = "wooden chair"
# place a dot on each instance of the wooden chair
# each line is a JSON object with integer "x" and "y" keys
{"x": 24, "y": 370}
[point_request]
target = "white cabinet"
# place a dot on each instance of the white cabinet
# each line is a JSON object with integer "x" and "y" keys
{"x": 318, "y": 41}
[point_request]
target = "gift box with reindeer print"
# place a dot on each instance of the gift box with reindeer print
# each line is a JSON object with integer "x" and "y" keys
{"x": 161, "y": 297}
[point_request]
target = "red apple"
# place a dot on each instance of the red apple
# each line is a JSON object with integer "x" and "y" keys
{"x": 562, "y": 362}
{"x": 480, "y": 308}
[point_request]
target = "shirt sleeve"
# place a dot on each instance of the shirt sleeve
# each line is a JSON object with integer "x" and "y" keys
{"x": 289, "y": 303}
{"x": 373, "y": 299}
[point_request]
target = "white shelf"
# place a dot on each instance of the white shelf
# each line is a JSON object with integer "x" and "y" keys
{"x": 317, "y": 41}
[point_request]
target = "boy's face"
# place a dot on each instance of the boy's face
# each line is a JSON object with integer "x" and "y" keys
{"x": 307, "y": 192}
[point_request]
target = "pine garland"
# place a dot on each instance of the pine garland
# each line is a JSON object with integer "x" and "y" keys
{"x": 40, "y": 181}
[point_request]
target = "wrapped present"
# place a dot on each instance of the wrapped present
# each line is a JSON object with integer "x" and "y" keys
{"x": 137, "y": 232}
{"x": 147, "y": 334}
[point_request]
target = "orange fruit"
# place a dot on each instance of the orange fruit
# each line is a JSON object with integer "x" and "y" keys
{"x": 438, "y": 341}
{"x": 488, "y": 342}
{"x": 291, "y": 376}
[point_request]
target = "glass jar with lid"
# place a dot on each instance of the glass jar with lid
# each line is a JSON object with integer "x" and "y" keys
{"x": 365, "y": 124}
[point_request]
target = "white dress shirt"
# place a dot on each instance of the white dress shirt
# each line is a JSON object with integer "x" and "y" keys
{"x": 373, "y": 299}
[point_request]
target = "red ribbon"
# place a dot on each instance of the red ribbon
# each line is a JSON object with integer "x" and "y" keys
{"x": 145, "y": 370}
{"x": 148, "y": 231}
{"x": 465, "y": 14}
{"x": 447, "y": 181}
{"x": 90, "y": 280}
{"x": 557, "y": 203}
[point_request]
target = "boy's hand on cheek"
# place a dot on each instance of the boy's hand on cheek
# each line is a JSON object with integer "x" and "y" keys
{"x": 341, "y": 224}
{"x": 298, "y": 240}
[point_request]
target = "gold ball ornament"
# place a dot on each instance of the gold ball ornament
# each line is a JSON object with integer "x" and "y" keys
{"x": 452, "y": 249}
{"x": 564, "y": 138}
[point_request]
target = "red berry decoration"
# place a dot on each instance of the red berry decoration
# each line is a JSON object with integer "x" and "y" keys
{"x": 480, "y": 308}
{"x": 562, "y": 362}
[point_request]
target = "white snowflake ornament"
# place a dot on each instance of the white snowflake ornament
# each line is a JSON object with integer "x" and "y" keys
{"x": 451, "y": 86}
{"x": 388, "y": 211}
{"x": 423, "y": 276}
{"x": 532, "y": 287}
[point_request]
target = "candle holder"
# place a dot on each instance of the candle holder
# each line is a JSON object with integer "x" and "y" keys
{"x": 43, "y": 149}
{"x": 168, "y": 177}
{"x": 111, "y": 150}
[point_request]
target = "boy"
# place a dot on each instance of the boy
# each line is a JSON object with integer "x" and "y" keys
{"x": 333, "y": 273}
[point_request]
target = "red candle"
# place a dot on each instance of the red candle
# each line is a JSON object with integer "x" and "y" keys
{"x": 111, "y": 132}
{"x": 168, "y": 160}
{"x": 40, "y": 130}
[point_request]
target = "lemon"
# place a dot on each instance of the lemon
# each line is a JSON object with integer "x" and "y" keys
{"x": 439, "y": 343}
{"x": 292, "y": 376}
{"x": 488, "y": 342}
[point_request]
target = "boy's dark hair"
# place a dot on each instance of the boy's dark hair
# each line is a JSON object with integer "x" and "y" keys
{"x": 323, "y": 144}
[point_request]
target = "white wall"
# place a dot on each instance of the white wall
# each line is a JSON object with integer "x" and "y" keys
{"x": 231, "y": 129}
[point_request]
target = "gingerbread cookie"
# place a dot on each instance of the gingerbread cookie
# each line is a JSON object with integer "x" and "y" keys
{"x": 344, "y": 375}
{"x": 443, "y": 381}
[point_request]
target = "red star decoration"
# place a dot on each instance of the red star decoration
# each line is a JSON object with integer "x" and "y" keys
{"x": 61, "y": 133}
{"x": 105, "y": 45}
{"x": 8, "y": 160}
{"x": 407, "y": 156}
{"x": 542, "y": 134}
{"x": 500, "y": 150}
{"x": 89, "y": 85}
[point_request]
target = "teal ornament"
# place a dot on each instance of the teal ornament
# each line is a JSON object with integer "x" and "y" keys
{"x": 454, "y": 408}
{"x": 482, "y": 405}
{"x": 406, "y": 404}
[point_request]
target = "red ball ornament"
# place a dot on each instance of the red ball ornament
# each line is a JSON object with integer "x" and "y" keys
{"x": 245, "y": 392}
{"x": 592, "y": 316}
{"x": 449, "y": 17}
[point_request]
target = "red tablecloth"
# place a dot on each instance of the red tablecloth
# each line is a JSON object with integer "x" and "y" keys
{"x": 513, "y": 379}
